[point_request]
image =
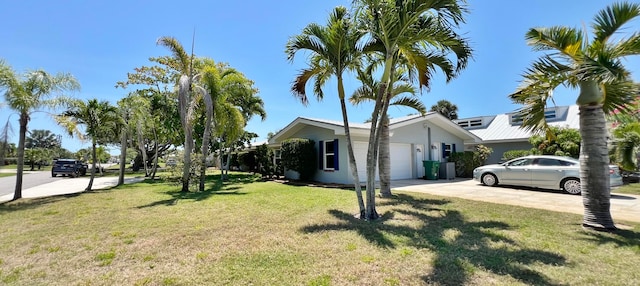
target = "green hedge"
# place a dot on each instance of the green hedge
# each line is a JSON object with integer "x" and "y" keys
{"x": 299, "y": 155}
{"x": 512, "y": 154}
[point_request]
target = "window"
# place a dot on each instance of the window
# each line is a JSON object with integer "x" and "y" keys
{"x": 470, "y": 123}
{"x": 448, "y": 149}
{"x": 519, "y": 162}
{"x": 328, "y": 155}
{"x": 550, "y": 114}
{"x": 548, "y": 162}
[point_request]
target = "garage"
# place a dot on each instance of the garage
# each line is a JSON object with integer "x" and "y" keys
{"x": 401, "y": 160}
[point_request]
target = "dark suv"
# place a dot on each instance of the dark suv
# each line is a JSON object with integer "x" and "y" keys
{"x": 68, "y": 167}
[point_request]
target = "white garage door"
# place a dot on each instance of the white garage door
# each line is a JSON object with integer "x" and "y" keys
{"x": 401, "y": 160}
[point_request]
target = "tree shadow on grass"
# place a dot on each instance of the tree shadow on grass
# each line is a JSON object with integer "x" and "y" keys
{"x": 216, "y": 188}
{"x": 460, "y": 246}
{"x": 620, "y": 237}
{"x": 33, "y": 203}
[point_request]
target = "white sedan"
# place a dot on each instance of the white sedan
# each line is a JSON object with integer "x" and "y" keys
{"x": 539, "y": 171}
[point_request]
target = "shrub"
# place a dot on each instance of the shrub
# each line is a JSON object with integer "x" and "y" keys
{"x": 469, "y": 160}
{"x": 561, "y": 141}
{"x": 299, "y": 155}
{"x": 512, "y": 154}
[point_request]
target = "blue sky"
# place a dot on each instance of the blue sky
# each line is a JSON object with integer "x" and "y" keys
{"x": 100, "y": 41}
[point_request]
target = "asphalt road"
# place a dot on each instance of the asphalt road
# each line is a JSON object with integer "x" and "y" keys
{"x": 29, "y": 180}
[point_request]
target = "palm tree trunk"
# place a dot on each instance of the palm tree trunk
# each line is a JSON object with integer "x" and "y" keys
{"x": 93, "y": 167}
{"x": 352, "y": 160}
{"x": 594, "y": 169}
{"x": 188, "y": 147}
{"x": 372, "y": 154}
{"x": 24, "y": 119}
{"x": 123, "y": 155}
{"x": 384, "y": 159}
{"x": 205, "y": 151}
{"x": 142, "y": 149}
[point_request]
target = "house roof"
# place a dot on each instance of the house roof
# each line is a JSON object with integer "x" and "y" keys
{"x": 363, "y": 128}
{"x": 505, "y": 127}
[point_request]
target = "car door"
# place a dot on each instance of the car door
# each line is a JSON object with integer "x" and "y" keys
{"x": 517, "y": 172}
{"x": 547, "y": 173}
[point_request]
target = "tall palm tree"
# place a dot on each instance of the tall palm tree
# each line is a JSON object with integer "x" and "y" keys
{"x": 595, "y": 67}
{"x": 102, "y": 123}
{"x": 367, "y": 92}
{"x": 334, "y": 50}
{"x": 210, "y": 91}
{"x": 134, "y": 111}
{"x": 28, "y": 94}
{"x": 419, "y": 37}
{"x": 235, "y": 105}
{"x": 186, "y": 100}
{"x": 446, "y": 108}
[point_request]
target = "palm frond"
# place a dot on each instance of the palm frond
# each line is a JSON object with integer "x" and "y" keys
{"x": 609, "y": 20}
{"x": 627, "y": 47}
{"x": 411, "y": 102}
{"x": 621, "y": 96}
{"x": 178, "y": 52}
{"x": 568, "y": 41}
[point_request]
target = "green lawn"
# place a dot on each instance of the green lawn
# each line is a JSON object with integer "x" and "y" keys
{"x": 632, "y": 189}
{"x": 7, "y": 174}
{"x": 26, "y": 167}
{"x": 249, "y": 232}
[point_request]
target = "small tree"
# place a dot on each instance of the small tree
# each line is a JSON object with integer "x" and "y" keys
{"x": 559, "y": 141}
{"x": 299, "y": 155}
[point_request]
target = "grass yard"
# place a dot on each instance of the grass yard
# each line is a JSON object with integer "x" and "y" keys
{"x": 7, "y": 174}
{"x": 248, "y": 232}
{"x": 632, "y": 189}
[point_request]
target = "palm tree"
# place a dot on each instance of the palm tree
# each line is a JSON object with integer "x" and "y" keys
{"x": 446, "y": 108}
{"x": 134, "y": 110}
{"x": 595, "y": 67}
{"x": 186, "y": 100}
{"x": 28, "y": 94}
{"x": 334, "y": 49}
{"x": 417, "y": 36}
{"x": 367, "y": 93}
{"x": 102, "y": 122}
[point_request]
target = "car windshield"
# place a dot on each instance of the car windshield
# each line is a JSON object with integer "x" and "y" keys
{"x": 62, "y": 162}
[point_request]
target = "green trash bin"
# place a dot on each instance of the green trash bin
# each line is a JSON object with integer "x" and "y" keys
{"x": 431, "y": 169}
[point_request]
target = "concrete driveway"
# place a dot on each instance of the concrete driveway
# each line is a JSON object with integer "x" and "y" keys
{"x": 69, "y": 186}
{"x": 623, "y": 206}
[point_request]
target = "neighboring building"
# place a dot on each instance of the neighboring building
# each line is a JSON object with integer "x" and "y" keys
{"x": 413, "y": 139}
{"x": 502, "y": 132}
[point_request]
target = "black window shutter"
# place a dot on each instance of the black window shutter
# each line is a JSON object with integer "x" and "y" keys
{"x": 444, "y": 152}
{"x": 453, "y": 148}
{"x": 321, "y": 155}
{"x": 336, "y": 158}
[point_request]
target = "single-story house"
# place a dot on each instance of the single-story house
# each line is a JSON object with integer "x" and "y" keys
{"x": 413, "y": 139}
{"x": 502, "y": 132}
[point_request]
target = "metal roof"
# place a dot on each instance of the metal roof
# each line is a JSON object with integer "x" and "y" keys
{"x": 503, "y": 128}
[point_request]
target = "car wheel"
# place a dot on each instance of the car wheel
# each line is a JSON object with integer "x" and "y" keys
{"x": 489, "y": 179}
{"x": 571, "y": 186}
{"x": 53, "y": 175}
